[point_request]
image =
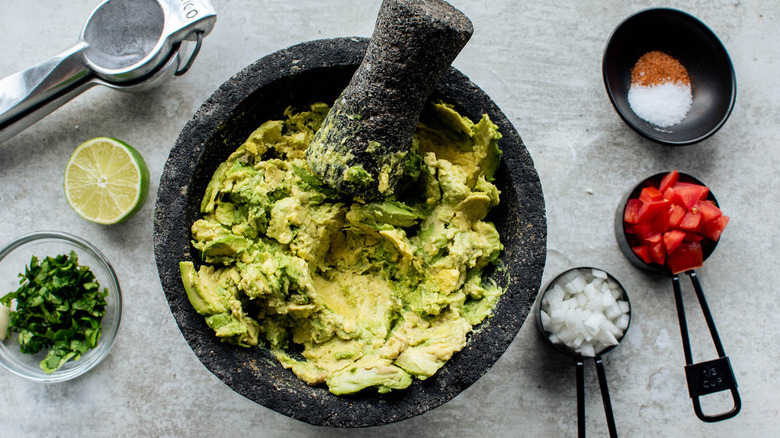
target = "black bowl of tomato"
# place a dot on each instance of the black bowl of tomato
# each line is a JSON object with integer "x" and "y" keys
{"x": 670, "y": 223}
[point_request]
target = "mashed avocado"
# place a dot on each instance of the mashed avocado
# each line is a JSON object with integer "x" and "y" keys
{"x": 350, "y": 294}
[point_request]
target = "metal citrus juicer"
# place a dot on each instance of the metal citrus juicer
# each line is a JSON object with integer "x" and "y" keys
{"x": 703, "y": 378}
{"x": 127, "y": 45}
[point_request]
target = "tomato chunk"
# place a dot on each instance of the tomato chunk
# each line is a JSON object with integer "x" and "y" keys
{"x": 669, "y": 194}
{"x": 649, "y": 194}
{"x": 686, "y": 194}
{"x": 631, "y": 213}
{"x": 643, "y": 251}
{"x": 676, "y": 214}
{"x": 654, "y": 238}
{"x": 669, "y": 180}
{"x": 714, "y": 229}
{"x": 649, "y": 210}
{"x": 673, "y": 239}
{"x": 658, "y": 251}
{"x": 687, "y": 256}
{"x": 691, "y": 221}
{"x": 709, "y": 211}
{"x": 693, "y": 237}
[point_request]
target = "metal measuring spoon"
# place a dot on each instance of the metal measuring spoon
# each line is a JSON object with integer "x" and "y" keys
{"x": 704, "y": 377}
{"x": 546, "y": 326}
{"x": 128, "y": 45}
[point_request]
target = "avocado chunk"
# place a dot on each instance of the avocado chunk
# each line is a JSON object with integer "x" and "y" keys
{"x": 382, "y": 215}
{"x": 378, "y": 374}
{"x": 240, "y": 330}
{"x": 213, "y": 301}
{"x": 394, "y": 213}
{"x": 225, "y": 248}
{"x": 201, "y": 290}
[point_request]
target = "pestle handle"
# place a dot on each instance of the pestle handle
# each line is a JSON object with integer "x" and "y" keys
{"x": 364, "y": 139}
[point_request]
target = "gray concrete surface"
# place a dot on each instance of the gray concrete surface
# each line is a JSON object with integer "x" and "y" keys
{"x": 541, "y": 63}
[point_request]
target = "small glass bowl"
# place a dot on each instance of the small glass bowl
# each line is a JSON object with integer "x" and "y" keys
{"x": 13, "y": 260}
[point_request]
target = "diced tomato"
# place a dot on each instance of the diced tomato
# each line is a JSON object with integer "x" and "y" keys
{"x": 643, "y": 252}
{"x": 709, "y": 211}
{"x": 649, "y": 194}
{"x": 691, "y": 221}
{"x": 669, "y": 180}
{"x": 712, "y": 230}
{"x": 658, "y": 251}
{"x": 631, "y": 213}
{"x": 646, "y": 233}
{"x": 686, "y": 194}
{"x": 693, "y": 237}
{"x": 649, "y": 210}
{"x": 661, "y": 222}
{"x": 668, "y": 223}
{"x": 654, "y": 238}
{"x": 639, "y": 230}
{"x": 676, "y": 214}
{"x": 669, "y": 194}
{"x": 687, "y": 256}
{"x": 673, "y": 239}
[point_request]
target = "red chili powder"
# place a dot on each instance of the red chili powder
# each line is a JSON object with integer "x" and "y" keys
{"x": 655, "y": 68}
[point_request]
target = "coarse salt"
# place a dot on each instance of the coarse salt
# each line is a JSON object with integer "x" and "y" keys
{"x": 663, "y": 105}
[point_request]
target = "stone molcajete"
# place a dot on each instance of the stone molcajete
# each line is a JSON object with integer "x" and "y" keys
{"x": 298, "y": 76}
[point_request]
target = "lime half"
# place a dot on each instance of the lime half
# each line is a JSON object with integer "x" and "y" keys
{"x": 106, "y": 180}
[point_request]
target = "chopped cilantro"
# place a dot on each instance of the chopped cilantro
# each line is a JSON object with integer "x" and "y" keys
{"x": 59, "y": 306}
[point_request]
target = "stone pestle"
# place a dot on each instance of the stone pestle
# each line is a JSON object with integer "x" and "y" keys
{"x": 363, "y": 142}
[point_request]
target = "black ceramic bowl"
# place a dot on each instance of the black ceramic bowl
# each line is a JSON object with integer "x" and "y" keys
{"x": 698, "y": 49}
{"x": 303, "y": 74}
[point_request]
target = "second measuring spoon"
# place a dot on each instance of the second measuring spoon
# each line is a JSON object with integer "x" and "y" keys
{"x": 704, "y": 377}
{"x": 585, "y": 313}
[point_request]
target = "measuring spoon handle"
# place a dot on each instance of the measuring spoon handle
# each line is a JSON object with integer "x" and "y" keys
{"x": 580, "y": 372}
{"x": 30, "y": 95}
{"x": 602, "y": 375}
{"x": 711, "y": 376}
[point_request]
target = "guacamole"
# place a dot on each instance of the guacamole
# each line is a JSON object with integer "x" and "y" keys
{"x": 346, "y": 293}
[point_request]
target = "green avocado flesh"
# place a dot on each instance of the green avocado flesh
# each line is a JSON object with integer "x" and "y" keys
{"x": 349, "y": 294}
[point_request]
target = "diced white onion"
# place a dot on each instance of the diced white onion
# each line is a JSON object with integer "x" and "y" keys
{"x": 612, "y": 312}
{"x": 586, "y": 311}
{"x": 587, "y": 350}
{"x": 576, "y": 285}
{"x": 594, "y": 321}
{"x": 545, "y": 318}
{"x": 622, "y": 322}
